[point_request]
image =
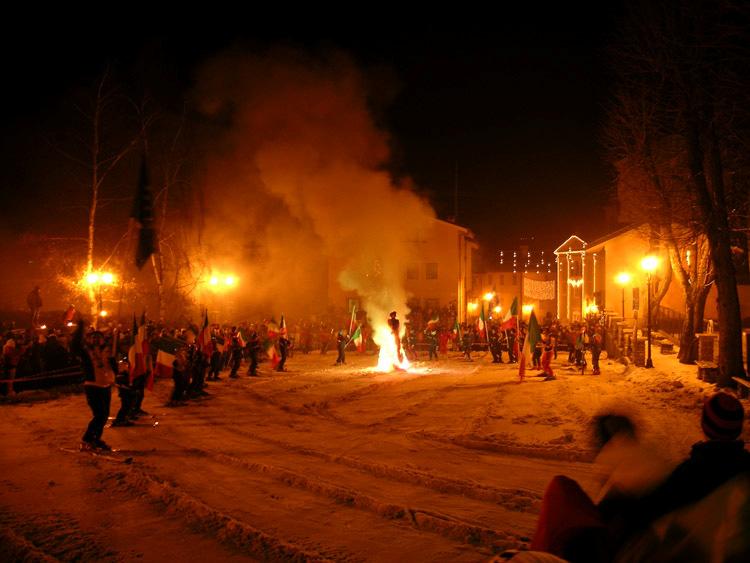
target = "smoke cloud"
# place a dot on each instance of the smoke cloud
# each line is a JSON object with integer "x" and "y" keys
{"x": 296, "y": 192}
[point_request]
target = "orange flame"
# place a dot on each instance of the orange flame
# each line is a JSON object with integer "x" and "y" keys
{"x": 388, "y": 360}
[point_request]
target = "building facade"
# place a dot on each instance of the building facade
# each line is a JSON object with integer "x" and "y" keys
{"x": 607, "y": 274}
{"x": 435, "y": 266}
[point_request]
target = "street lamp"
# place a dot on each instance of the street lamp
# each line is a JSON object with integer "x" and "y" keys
{"x": 96, "y": 281}
{"x": 649, "y": 264}
{"x": 623, "y": 279}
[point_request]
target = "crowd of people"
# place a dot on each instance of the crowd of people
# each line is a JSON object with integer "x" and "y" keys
{"x": 571, "y": 524}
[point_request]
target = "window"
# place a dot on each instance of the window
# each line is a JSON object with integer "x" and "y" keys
{"x": 431, "y": 271}
{"x": 412, "y": 272}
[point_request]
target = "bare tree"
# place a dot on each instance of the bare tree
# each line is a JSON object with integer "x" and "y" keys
{"x": 676, "y": 122}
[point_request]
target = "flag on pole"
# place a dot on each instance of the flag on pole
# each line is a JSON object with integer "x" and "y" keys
{"x": 510, "y": 320}
{"x": 533, "y": 335}
{"x": 357, "y": 339}
{"x": 273, "y": 328}
{"x": 456, "y": 328}
{"x": 351, "y": 321}
{"x": 481, "y": 324}
{"x": 167, "y": 349}
{"x": 143, "y": 214}
{"x": 272, "y": 353}
{"x": 204, "y": 336}
{"x": 138, "y": 352}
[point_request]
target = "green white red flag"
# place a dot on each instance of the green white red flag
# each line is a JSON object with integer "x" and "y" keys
{"x": 357, "y": 339}
{"x": 510, "y": 320}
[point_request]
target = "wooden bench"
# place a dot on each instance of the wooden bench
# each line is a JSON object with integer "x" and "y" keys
{"x": 708, "y": 371}
{"x": 667, "y": 348}
{"x": 743, "y": 386}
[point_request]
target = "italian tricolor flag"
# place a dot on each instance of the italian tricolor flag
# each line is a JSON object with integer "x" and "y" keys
{"x": 166, "y": 352}
{"x": 510, "y": 320}
{"x": 357, "y": 339}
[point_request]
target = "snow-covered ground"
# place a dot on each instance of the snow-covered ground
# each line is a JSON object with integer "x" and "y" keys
{"x": 447, "y": 462}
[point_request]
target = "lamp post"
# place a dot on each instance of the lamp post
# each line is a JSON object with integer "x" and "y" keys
{"x": 222, "y": 284}
{"x": 96, "y": 280}
{"x": 649, "y": 264}
{"x": 623, "y": 279}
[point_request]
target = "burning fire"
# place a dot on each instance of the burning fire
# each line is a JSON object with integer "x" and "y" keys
{"x": 388, "y": 359}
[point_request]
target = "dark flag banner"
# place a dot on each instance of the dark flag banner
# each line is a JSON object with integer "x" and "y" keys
{"x": 143, "y": 213}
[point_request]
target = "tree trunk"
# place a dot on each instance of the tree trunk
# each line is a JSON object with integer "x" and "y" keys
{"x": 157, "y": 265}
{"x": 706, "y": 171}
{"x": 687, "y": 336}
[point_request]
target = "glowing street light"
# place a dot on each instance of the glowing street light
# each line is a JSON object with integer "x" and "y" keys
{"x": 100, "y": 278}
{"x": 527, "y": 310}
{"x": 623, "y": 279}
{"x": 489, "y": 296}
{"x": 472, "y": 307}
{"x": 497, "y": 309}
{"x": 214, "y": 280}
{"x": 649, "y": 265}
{"x": 95, "y": 281}
{"x": 230, "y": 280}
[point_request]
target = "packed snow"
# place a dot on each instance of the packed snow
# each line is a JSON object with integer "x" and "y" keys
{"x": 445, "y": 462}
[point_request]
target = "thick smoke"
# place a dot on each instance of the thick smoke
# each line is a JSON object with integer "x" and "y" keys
{"x": 296, "y": 194}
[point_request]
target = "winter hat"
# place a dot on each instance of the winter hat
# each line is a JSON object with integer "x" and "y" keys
{"x": 722, "y": 417}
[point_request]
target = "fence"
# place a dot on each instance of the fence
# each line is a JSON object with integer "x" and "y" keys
{"x": 71, "y": 374}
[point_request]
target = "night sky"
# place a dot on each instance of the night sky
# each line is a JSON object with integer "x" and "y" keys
{"x": 513, "y": 101}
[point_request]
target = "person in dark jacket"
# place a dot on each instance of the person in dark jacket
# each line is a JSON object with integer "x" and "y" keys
{"x": 341, "y": 340}
{"x": 283, "y": 352}
{"x": 253, "y": 349}
{"x": 712, "y": 462}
